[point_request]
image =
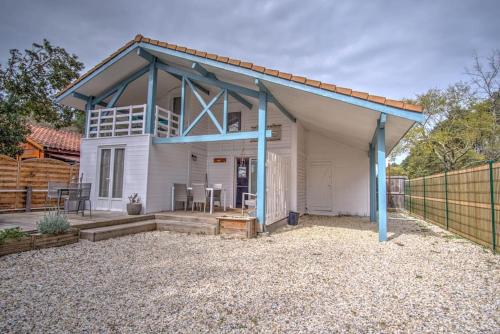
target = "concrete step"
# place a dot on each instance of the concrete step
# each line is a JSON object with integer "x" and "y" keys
{"x": 186, "y": 218}
{"x": 114, "y": 231}
{"x": 187, "y": 226}
{"x": 84, "y": 225}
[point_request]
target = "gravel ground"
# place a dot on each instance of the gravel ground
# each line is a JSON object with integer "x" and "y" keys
{"x": 328, "y": 274}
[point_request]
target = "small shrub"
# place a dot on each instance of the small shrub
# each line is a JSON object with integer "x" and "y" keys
{"x": 52, "y": 223}
{"x": 11, "y": 233}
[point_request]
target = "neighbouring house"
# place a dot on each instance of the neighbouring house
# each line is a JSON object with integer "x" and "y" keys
{"x": 46, "y": 142}
{"x": 159, "y": 114}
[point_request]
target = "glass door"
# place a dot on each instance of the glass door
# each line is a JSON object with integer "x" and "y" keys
{"x": 253, "y": 176}
{"x": 111, "y": 167}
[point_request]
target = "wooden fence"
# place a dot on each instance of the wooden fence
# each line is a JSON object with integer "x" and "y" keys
{"x": 466, "y": 202}
{"x": 23, "y": 184}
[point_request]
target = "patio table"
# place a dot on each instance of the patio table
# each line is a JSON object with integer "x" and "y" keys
{"x": 208, "y": 189}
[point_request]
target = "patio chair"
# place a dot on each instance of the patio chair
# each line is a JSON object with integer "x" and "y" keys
{"x": 199, "y": 195}
{"x": 250, "y": 202}
{"x": 53, "y": 192}
{"x": 218, "y": 193}
{"x": 84, "y": 197}
{"x": 181, "y": 194}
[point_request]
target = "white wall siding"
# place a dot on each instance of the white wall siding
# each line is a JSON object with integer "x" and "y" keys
{"x": 350, "y": 173}
{"x": 135, "y": 166}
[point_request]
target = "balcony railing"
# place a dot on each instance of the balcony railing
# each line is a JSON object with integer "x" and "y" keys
{"x": 130, "y": 120}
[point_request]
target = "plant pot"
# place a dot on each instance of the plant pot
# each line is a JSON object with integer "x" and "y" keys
{"x": 134, "y": 208}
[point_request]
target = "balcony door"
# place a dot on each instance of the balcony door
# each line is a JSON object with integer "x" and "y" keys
{"x": 110, "y": 175}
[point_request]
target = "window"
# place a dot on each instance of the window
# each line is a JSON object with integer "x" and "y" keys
{"x": 176, "y": 105}
{"x": 234, "y": 121}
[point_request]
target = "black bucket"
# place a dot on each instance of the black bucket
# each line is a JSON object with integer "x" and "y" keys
{"x": 293, "y": 218}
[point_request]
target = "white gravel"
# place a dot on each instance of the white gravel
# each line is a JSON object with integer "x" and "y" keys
{"x": 329, "y": 274}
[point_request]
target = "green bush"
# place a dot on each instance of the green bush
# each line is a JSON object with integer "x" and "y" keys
{"x": 11, "y": 233}
{"x": 52, "y": 223}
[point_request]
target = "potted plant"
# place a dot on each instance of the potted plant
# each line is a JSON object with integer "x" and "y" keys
{"x": 134, "y": 206}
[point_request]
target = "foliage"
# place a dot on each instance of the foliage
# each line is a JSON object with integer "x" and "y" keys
{"x": 134, "y": 198}
{"x": 13, "y": 129}
{"x": 28, "y": 86}
{"x": 53, "y": 223}
{"x": 11, "y": 233}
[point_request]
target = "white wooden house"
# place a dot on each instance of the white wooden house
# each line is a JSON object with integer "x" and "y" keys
{"x": 159, "y": 114}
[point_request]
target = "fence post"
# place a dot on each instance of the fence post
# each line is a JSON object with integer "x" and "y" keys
{"x": 29, "y": 194}
{"x": 492, "y": 200}
{"x": 404, "y": 194}
{"x": 409, "y": 191}
{"x": 446, "y": 195}
{"x": 425, "y": 206}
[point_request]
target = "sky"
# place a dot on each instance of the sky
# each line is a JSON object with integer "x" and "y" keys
{"x": 395, "y": 49}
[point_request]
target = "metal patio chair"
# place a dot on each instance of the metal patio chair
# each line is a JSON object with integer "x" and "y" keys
{"x": 218, "y": 193}
{"x": 84, "y": 197}
{"x": 54, "y": 193}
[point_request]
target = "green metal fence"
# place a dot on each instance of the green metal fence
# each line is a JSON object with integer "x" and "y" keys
{"x": 466, "y": 202}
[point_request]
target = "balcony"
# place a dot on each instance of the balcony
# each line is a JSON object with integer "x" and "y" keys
{"x": 130, "y": 120}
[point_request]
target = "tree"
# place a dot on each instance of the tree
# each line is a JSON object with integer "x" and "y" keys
{"x": 28, "y": 85}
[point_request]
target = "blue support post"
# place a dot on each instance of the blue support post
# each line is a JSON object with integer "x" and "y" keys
{"x": 183, "y": 105}
{"x": 261, "y": 160}
{"x": 224, "y": 113}
{"x": 151, "y": 100}
{"x": 382, "y": 191}
{"x": 373, "y": 187}
{"x": 88, "y": 107}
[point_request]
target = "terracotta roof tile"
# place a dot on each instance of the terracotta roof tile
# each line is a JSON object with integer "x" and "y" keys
{"x": 378, "y": 99}
{"x": 298, "y": 79}
{"x": 329, "y": 87}
{"x": 342, "y": 90}
{"x": 258, "y": 68}
{"x": 360, "y": 95}
{"x": 55, "y": 139}
{"x": 313, "y": 83}
{"x": 274, "y": 73}
{"x": 222, "y": 59}
{"x": 283, "y": 75}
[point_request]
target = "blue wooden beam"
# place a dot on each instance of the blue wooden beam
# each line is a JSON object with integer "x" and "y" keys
{"x": 206, "y": 109}
{"x": 86, "y": 98}
{"x": 196, "y": 77}
{"x": 261, "y": 160}
{"x": 134, "y": 76}
{"x": 411, "y": 115}
{"x": 381, "y": 181}
{"x": 272, "y": 99}
{"x": 224, "y": 113}
{"x": 149, "y": 57}
{"x": 117, "y": 96}
{"x": 88, "y": 107}
{"x": 210, "y": 138}
{"x": 200, "y": 69}
{"x": 373, "y": 186}
{"x": 151, "y": 98}
{"x": 183, "y": 105}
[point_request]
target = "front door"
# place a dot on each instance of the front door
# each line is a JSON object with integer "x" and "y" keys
{"x": 110, "y": 183}
{"x": 320, "y": 190}
{"x": 246, "y": 178}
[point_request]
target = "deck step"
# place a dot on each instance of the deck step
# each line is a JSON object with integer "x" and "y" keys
{"x": 187, "y": 226}
{"x": 186, "y": 218}
{"x": 114, "y": 231}
{"x": 85, "y": 225}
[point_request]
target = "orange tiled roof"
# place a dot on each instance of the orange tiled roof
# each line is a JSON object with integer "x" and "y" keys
{"x": 55, "y": 139}
{"x": 257, "y": 68}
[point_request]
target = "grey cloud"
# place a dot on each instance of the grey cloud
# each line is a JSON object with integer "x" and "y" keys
{"x": 390, "y": 48}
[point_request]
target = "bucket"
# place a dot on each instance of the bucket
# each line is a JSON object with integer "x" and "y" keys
{"x": 293, "y": 218}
